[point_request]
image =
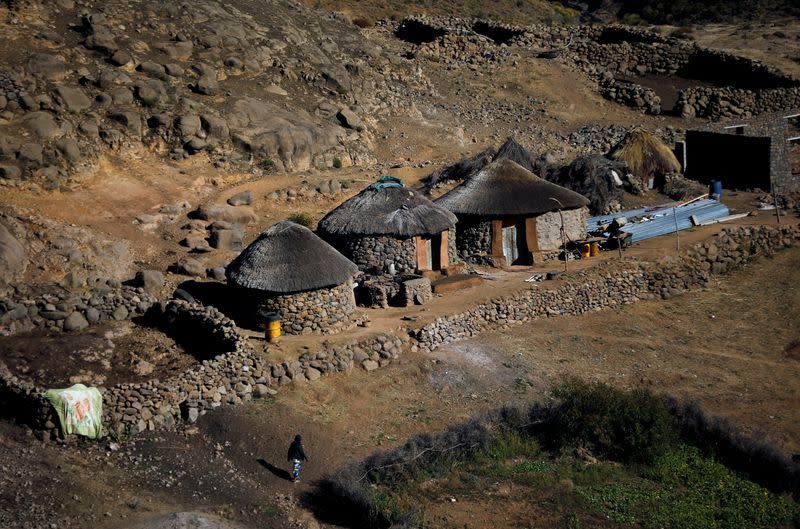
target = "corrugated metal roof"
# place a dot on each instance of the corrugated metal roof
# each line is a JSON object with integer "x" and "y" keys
{"x": 661, "y": 221}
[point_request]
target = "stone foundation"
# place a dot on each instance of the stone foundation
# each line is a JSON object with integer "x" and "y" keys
{"x": 323, "y": 311}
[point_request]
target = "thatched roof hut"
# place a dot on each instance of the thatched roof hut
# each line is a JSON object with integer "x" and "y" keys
{"x": 289, "y": 258}
{"x": 504, "y": 188}
{"x": 387, "y": 208}
{"x": 646, "y": 156}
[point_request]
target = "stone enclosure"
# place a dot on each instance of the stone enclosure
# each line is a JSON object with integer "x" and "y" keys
{"x": 230, "y": 371}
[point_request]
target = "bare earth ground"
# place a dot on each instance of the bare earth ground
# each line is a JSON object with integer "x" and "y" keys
{"x": 731, "y": 347}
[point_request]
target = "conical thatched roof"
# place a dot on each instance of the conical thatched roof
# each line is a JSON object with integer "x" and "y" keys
{"x": 511, "y": 150}
{"x": 391, "y": 210}
{"x": 289, "y": 258}
{"x": 504, "y": 188}
{"x": 645, "y": 154}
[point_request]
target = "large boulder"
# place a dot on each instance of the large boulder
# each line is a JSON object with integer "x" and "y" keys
{"x": 150, "y": 280}
{"x": 226, "y": 212}
{"x": 12, "y": 256}
{"x": 291, "y": 137}
{"x": 73, "y": 99}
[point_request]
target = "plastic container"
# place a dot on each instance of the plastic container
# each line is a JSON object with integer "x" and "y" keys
{"x": 272, "y": 326}
{"x": 594, "y": 249}
{"x": 716, "y": 189}
{"x": 586, "y": 249}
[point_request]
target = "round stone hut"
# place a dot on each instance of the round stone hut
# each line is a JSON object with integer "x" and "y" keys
{"x": 290, "y": 271}
{"x": 506, "y": 212}
{"x": 388, "y": 225}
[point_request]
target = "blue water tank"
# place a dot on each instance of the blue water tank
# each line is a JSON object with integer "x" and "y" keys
{"x": 716, "y": 189}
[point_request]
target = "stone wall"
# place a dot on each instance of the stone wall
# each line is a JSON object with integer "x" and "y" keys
{"x": 473, "y": 237}
{"x": 53, "y": 308}
{"x": 626, "y": 283}
{"x": 377, "y": 252}
{"x": 322, "y": 311}
{"x": 548, "y": 228}
{"x": 239, "y": 373}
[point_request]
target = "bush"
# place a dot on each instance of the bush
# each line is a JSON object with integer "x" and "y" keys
{"x": 633, "y": 426}
{"x": 303, "y": 219}
{"x": 363, "y": 22}
{"x": 337, "y": 163}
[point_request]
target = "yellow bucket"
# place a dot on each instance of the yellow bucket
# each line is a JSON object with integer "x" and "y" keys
{"x": 585, "y": 250}
{"x": 594, "y": 249}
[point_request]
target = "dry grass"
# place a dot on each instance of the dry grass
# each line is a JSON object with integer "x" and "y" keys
{"x": 645, "y": 154}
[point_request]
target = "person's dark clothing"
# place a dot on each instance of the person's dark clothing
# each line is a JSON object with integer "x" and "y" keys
{"x": 296, "y": 451}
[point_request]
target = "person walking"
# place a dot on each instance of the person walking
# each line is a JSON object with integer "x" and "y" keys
{"x": 296, "y": 455}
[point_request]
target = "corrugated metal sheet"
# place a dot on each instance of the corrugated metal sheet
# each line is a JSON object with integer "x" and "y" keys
{"x": 661, "y": 221}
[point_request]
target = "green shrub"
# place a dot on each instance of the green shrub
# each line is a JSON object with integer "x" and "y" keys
{"x": 629, "y": 426}
{"x": 268, "y": 164}
{"x": 337, "y": 163}
{"x": 303, "y": 219}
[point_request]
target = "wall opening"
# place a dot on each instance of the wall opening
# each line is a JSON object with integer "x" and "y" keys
{"x": 418, "y": 32}
{"x": 498, "y": 34}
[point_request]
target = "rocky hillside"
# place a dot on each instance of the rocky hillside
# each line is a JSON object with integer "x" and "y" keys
{"x": 283, "y": 88}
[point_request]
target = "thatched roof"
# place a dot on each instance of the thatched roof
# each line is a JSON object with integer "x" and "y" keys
{"x": 645, "y": 155}
{"x": 593, "y": 177}
{"x": 504, "y": 188}
{"x": 289, "y": 258}
{"x": 395, "y": 211}
{"x": 466, "y": 167}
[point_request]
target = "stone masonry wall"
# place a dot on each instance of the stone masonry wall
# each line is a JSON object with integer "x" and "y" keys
{"x": 240, "y": 373}
{"x": 473, "y": 237}
{"x": 323, "y": 311}
{"x": 378, "y": 252}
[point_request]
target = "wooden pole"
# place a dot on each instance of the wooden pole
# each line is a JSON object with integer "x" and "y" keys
{"x": 777, "y": 207}
{"x": 563, "y": 230}
{"x": 677, "y": 237}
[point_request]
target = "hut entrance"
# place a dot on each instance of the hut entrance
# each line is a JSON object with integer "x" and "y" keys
{"x": 515, "y": 248}
{"x": 432, "y": 252}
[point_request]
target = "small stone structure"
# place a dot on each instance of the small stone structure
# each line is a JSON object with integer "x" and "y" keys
{"x": 744, "y": 154}
{"x": 388, "y": 227}
{"x": 291, "y": 271}
{"x": 506, "y": 212}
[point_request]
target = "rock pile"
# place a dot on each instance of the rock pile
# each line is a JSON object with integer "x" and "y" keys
{"x": 53, "y": 308}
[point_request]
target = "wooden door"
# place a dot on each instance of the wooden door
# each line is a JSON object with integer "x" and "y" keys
{"x": 510, "y": 249}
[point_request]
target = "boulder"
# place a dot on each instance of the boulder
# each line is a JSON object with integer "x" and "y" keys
{"x": 75, "y": 322}
{"x": 227, "y": 240}
{"x": 48, "y": 66}
{"x": 293, "y": 138}
{"x": 190, "y": 267}
{"x": 150, "y": 280}
{"x": 30, "y": 155}
{"x": 121, "y": 58}
{"x": 73, "y": 99}
{"x": 68, "y": 148}
{"x": 245, "y": 198}
{"x": 187, "y": 125}
{"x": 13, "y": 258}
{"x": 196, "y": 243}
{"x": 11, "y": 172}
{"x": 226, "y": 212}
{"x": 349, "y": 119}
{"x": 42, "y": 125}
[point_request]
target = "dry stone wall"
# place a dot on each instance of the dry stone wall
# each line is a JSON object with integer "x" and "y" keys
{"x": 54, "y": 308}
{"x": 473, "y": 237}
{"x": 594, "y": 290}
{"x": 323, "y": 311}
{"x": 377, "y": 252}
{"x": 239, "y": 373}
